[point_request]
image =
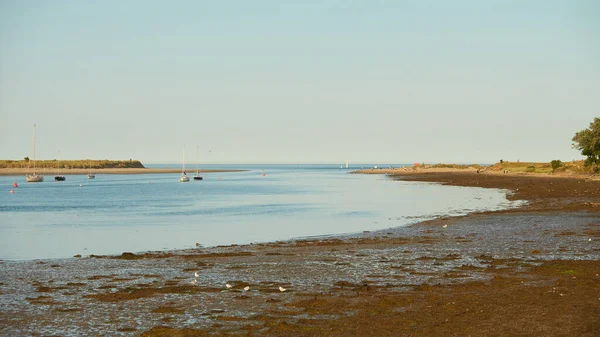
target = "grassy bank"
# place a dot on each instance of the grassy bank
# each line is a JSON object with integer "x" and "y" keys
{"x": 72, "y": 164}
{"x": 519, "y": 167}
{"x": 530, "y": 167}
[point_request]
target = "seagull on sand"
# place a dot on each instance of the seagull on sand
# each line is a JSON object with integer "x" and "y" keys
{"x": 445, "y": 226}
{"x": 282, "y": 289}
{"x": 246, "y": 288}
{"x": 229, "y": 286}
{"x": 197, "y": 275}
{"x": 194, "y": 282}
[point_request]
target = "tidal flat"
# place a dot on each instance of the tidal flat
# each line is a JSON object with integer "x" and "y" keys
{"x": 527, "y": 271}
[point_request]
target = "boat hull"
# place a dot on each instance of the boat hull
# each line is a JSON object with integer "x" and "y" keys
{"x": 91, "y": 176}
{"x": 184, "y": 179}
{"x": 60, "y": 178}
{"x": 197, "y": 178}
{"x": 34, "y": 179}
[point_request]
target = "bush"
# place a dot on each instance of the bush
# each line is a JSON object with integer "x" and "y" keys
{"x": 555, "y": 164}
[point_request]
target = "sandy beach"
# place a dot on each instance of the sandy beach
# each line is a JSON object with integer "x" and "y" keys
{"x": 532, "y": 271}
{"x": 67, "y": 172}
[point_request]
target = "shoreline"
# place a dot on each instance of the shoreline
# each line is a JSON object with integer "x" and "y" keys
{"x": 409, "y": 171}
{"x": 526, "y": 271}
{"x": 66, "y": 172}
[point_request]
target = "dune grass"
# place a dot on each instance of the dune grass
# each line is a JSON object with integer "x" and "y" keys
{"x": 531, "y": 167}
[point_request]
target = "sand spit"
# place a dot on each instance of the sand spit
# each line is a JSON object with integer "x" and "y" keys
{"x": 528, "y": 272}
{"x": 22, "y": 172}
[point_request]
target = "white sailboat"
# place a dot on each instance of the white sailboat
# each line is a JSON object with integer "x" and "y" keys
{"x": 197, "y": 176}
{"x": 34, "y": 178}
{"x": 91, "y": 175}
{"x": 184, "y": 178}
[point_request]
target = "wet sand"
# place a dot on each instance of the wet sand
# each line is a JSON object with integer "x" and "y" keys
{"x": 67, "y": 172}
{"x": 533, "y": 271}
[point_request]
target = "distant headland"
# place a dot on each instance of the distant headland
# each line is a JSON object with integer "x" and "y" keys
{"x": 71, "y": 164}
{"x": 67, "y": 167}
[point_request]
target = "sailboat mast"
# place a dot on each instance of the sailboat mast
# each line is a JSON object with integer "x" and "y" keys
{"x": 183, "y": 168}
{"x": 197, "y": 157}
{"x": 34, "y": 126}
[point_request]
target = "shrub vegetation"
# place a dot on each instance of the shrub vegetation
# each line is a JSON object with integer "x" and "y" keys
{"x": 75, "y": 164}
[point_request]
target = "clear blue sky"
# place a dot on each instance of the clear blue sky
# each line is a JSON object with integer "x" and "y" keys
{"x": 298, "y": 82}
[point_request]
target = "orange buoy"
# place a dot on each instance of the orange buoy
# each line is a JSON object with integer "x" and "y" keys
{"x": 15, "y": 185}
{"x": 264, "y": 174}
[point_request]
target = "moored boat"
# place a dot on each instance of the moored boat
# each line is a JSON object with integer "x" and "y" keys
{"x": 34, "y": 178}
{"x": 197, "y": 176}
{"x": 184, "y": 178}
{"x": 58, "y": 177}
{"x": 91, "y": 175}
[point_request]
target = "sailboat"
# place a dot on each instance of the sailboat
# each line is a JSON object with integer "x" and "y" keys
{"x": 58, "y": 177}
{"x": 34, "y": 178}
{"x": 184, "y": 178}
{"x": 91, "y": 175}
{"x": 197, "y": 176}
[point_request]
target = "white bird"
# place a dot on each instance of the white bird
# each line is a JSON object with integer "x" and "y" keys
{"x": 196, "y": 274}
{"x": 229, "y": 286}
{"x": 246, "y": 288}
{"x": 194, "y": 282}
{"x": 282, "y": 289}
{"x": 445, "y": 226}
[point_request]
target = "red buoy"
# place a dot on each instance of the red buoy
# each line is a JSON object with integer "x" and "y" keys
{"x": 15, "y": 185}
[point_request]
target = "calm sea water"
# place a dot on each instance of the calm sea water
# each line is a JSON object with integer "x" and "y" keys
{"x": 117, "y": 213}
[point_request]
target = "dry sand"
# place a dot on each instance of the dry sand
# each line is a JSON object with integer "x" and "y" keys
{"x": 527, "y": 272}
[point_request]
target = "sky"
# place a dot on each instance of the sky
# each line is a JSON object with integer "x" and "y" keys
{"x": 308, "y": 81}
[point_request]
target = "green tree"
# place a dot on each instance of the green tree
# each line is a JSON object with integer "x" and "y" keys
{"x": 555, "y": 164}
{"x": 26, "y": 158}
{"x": 588, "y": 141}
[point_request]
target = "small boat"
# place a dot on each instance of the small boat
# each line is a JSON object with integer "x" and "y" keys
{"x": 197, "y": 176}
{"x": 91, "y": 175}
{"x": 58, "y": 177}
{"x": 184, "y": 178}
{"x": 34, "y": 178}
